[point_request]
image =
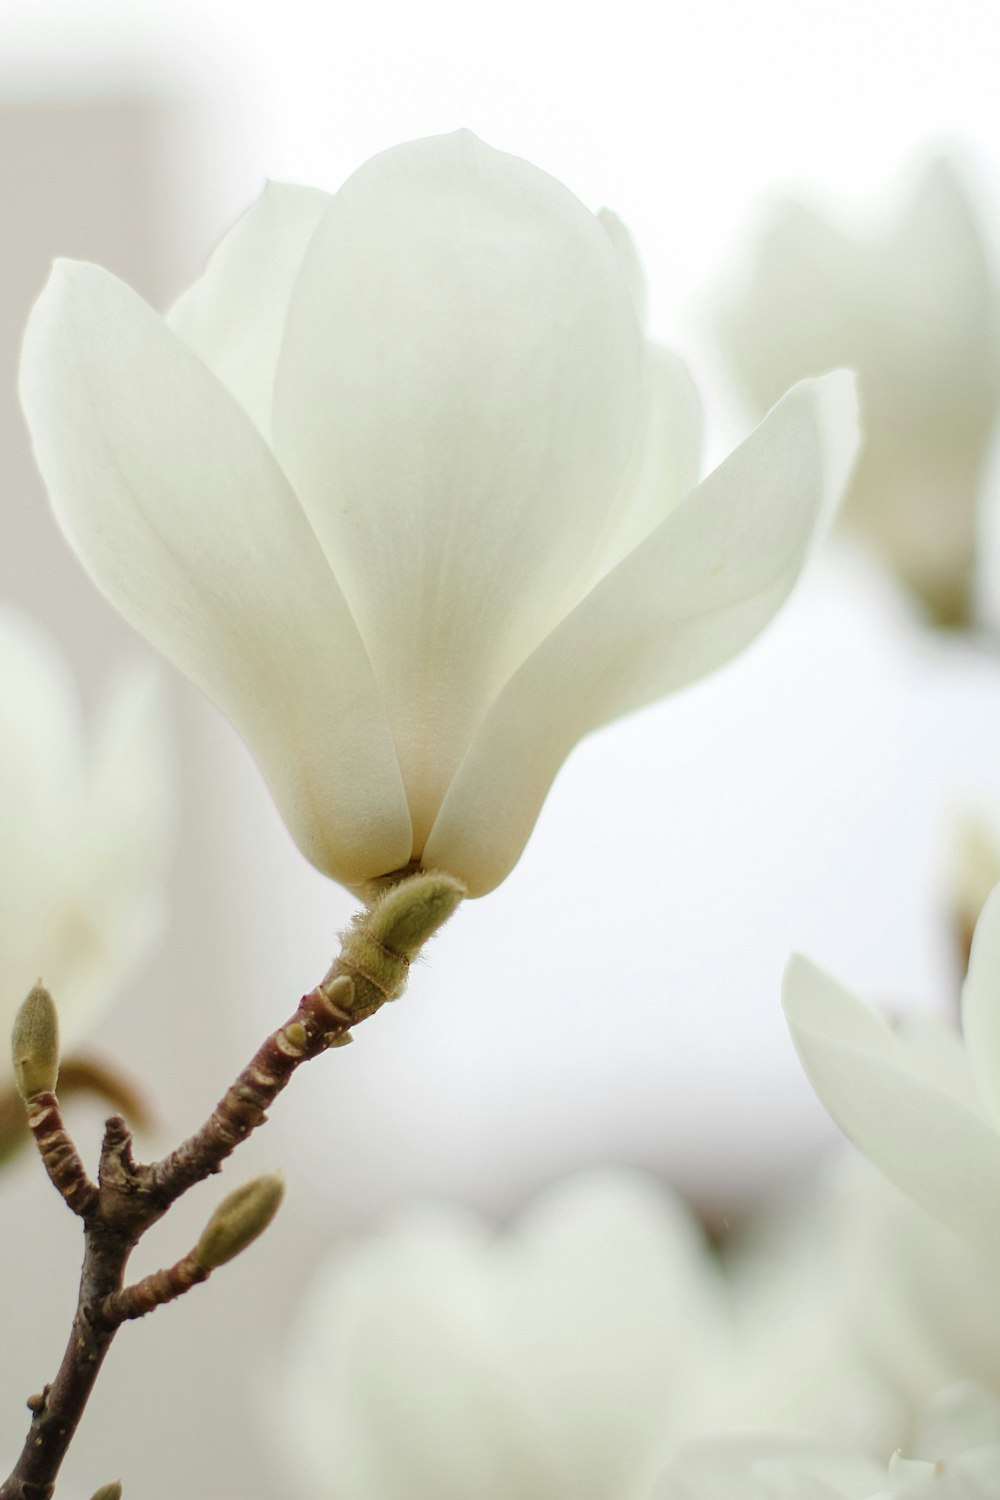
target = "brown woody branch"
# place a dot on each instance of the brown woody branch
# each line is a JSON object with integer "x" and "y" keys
{"x": 60, "y": 1157}
{"x": 130, "y": 1197}
{"x": 152, "y": 1292}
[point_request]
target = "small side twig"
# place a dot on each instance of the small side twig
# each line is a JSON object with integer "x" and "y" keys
{"x": 152, "y": 1291}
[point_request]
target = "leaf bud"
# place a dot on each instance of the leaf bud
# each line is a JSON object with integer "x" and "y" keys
{"x": 35, "y": 1044}
{"x": 109, "y": 1492}
{"x": 238, "y": 1220}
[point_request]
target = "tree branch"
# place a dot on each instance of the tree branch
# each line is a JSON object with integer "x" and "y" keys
{"x": 130, "y": 1197}
{"x": 60, "y": 1157}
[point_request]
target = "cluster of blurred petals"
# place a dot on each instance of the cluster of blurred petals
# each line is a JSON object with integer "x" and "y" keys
{"x": 87, "y": 817}
{"x": 914, "y": 308}
{"x": 919, "y": 1098}
{"x": 955, "y": 1455}
{"x": 582, "y": 1350}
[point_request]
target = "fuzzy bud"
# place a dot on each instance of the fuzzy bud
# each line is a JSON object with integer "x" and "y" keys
{"x": 35, "y": 1044}
{"x": 378, "y": 946}
{"x": 109, "y": 1492}
{"x": 238, "y": 1220}
{"x": 407, "y": 915}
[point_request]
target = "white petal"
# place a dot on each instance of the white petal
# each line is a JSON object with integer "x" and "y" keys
{"x": 42, "y": 768}
{"x": 666, "y": 462}
{"x": 618, "y": 1308}
{"x": 101, "y": 902}
{"x": 628, "y": 256}
{"x": 970, "y": 1476}
{"x": 234, "y": 315}
{"x": 933, "y": 1050}
{"x": 456, "y": 402}
{"x": 84, "y": 846}
{"x": 953, "y": 1420}
{"x": 765, "y": 1466}
{"x": 927, "y": 1141}
{"x": 689, "y": 597}
{"x": 400, "y": 1373}
{"x": 130, "y": 822}
{"x": 783, "y": 328}
{"x": 41, "y": 735}
{"x": 939, "y": 258}
{"x": 554, "y": 1359}
{"x": 981, "y": 1005}
{"x": 181, "y": 515}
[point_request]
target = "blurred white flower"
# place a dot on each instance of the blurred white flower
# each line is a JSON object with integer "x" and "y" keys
{"x": 918, "y": 1304}
{"x": 87, "y": 830}
{"x": 400, "y": 485}
{"x": 923, "y": 1107}
{"x": 915, "y": 312}
{"x": 440, "y": 1360}
{"x": 855, "y": 1306}
{"x": 799, "y": 1274}
{"x": 565, "y": 1359}
{"x": 957, "y": 1447}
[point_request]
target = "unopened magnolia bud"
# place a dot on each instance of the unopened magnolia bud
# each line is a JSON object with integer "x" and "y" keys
{"x": 377, "y": 947}
{"x": 238, "y": 1220}
{"x": 35, "y": 1044}
{"x": 109, "y": 1492}
{"x": 411, "y": 912}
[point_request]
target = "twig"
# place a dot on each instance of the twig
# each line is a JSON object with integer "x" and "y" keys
{"x": 60, "y": 1157}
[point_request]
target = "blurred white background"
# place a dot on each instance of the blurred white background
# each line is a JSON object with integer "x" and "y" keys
{"x": 617, "y": 999}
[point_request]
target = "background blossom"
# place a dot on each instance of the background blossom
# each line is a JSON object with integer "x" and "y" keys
{"x": 86, "y": 831}
{"x": 913, "y": 308}
{"x": 922, "y": 1102}
{"x": 958, "y": 1444}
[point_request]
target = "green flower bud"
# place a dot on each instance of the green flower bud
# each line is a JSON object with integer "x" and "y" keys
{"x": 378, "y": 946}
{"x": 408, "y": 914}
{"x": 35, "y": 1044}
{"x": 238, "y": 1220}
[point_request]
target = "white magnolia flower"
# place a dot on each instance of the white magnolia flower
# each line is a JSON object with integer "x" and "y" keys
{"x": 803, "y": 1357}
{"x": 913, "y": 1299}
{"x": 567, "y": 1358}
{"x": 867, "y": 1305}
{"x": 87, "y": 828}
{"x": 915, "y": 312}
{"x": 399, "y": 484}
{"x": 921, "y": 1105}
{"x": 957, "y": 1447}
{"x": 557, "y": 1361}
